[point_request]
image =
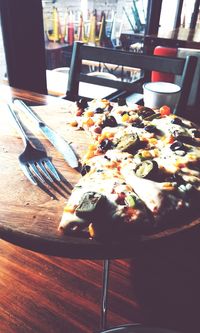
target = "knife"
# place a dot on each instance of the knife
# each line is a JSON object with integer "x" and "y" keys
{"x": 57, "y": 141}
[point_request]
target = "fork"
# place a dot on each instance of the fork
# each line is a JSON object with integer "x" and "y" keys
{"x": 34, "y": 162}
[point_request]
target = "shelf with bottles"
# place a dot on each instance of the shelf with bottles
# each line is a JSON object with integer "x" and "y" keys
{"x": 102, "y": 27}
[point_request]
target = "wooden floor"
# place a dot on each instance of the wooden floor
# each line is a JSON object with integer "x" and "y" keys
{"x": 41, "y": 294}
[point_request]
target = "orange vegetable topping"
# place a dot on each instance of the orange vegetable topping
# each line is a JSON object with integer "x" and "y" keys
{"x": 74, "y": 123}
{"x": 105, "y": 135}
{"x": 179, "y": 164}
{"x": 125, "y": 117}
{"x": 169, "y": 139}
{"x": 91, "y": 230}
{"x": 146, "y": 154}
{"x": 69, "y": 209}
{"x": 153, "y": 141}
{"x": 89, "y": 122}
{"x": 92, "y": 146}
{"x": 112, "y": 164}
{"x": 79, "y": 112}
{"x": 89, "y": 114}
{"x": 156, "y": 152}
{"x": 165, "y": 110}
{"x": 168, "y": 186}
{"x": 89, "y": 154}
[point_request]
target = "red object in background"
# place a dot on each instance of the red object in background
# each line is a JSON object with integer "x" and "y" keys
{"x": 71, "y": 33}
{"x": 165, "y": 52}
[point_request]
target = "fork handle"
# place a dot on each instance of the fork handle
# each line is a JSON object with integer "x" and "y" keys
{"x": 18, "y": 125}
{"x": 27, "y": 110}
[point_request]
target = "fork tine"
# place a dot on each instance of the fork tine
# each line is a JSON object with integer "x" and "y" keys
{"x": 44, "y": 171}
{"x": 28, "y": 174}
{"x": 36, "y": 172}
{"x": 33, "y": 161}
{"x": 51, "y": 168}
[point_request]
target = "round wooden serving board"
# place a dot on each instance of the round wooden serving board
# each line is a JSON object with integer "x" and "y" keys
{"x": 29, "y": 216}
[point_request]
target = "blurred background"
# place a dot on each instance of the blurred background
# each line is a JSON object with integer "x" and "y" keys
{"x": 112, "y": 23}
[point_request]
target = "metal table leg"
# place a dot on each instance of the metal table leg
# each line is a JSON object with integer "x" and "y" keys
{"x": 104, "y": 299}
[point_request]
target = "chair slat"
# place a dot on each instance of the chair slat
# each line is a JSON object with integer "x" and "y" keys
{"x": 109, "y": 83}
{"x": 129, "y": 59}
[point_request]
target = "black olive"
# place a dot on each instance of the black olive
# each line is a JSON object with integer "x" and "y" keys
{"x": 176, "y": 145}
{"x": 121, "y": 101}
{"x": 110, "y": 107}
{"x": 124, "y": 112}
{"x": 99, "y": 110}
{"x": 150, "y": 128}
{"x": 177, "y": 178}
{"x": 177, "y": 121}
{"x": 184, "y": 138}
{"x": 181, "y": 136}
{"x": 79, "y": 105}
{"x": 153, "y": 116}
{"x": 109, "y": 121}
{"x": 176, "y": 133}
{"x": 146, "y": 112}
{"x": 82, "y": 103}
{"x": 196, "y": 133}
{"x": 85, "y": 169}
{"x": 138, "y": 123}
{"x": 106, "y": 144}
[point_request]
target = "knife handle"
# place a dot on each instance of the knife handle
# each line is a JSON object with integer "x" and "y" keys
{"x": 27, "y": 110}
{"x": 18, "y": 124}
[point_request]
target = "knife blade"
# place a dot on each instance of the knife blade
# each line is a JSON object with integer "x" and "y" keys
{"x": 56, "y": 140}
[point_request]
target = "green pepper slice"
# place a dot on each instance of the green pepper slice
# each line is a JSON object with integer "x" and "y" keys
{"x": 128, "y": 143}
{"x": 147, "y": 169}
{"x": 90, "y": 204}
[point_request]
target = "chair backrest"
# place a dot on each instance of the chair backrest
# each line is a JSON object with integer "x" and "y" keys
{"x": 178, "y": 66}
{"x": 194, "y": 97}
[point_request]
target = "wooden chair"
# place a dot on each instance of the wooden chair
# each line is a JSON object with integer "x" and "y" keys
{"x": 147, "y": 63}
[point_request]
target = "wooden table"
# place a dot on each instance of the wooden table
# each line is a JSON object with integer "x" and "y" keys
{"x": 30, "y": 216}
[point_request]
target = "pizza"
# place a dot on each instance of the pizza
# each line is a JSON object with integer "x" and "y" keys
{"x": 103, "y": 197}
{"x": 141, "y": 172}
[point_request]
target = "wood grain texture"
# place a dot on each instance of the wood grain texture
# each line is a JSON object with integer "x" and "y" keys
{"x": 30, "y": 216}
{"x": 159, "y": 286}
{"x": 49, "y": 294}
